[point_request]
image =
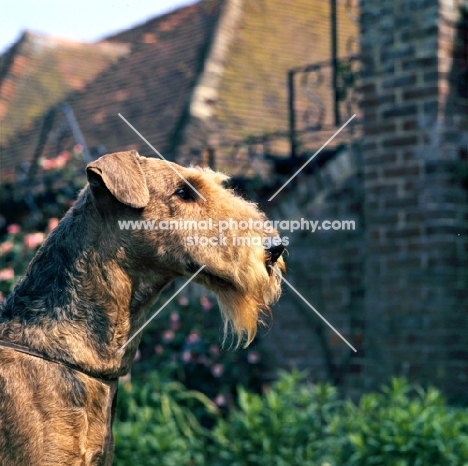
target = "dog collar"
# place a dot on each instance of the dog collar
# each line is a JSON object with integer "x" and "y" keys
{"x": 36, "y": 354}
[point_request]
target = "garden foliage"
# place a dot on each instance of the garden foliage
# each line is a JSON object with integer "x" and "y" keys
{"x": 292, "y": 424}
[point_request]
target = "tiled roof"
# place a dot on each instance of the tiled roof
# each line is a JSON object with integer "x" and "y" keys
{"x": 153, "y": 85}
{"x": 39, "y": 71}
{"x": 150, "y": 87}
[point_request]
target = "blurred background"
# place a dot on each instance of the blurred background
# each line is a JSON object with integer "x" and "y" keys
{"x": 254, "y": 89}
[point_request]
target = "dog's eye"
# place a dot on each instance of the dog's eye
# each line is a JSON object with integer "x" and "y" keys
{"x": 185, "y": 193}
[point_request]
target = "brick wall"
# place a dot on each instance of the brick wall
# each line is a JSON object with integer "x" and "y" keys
{"x": 326, "y": 267}
{"x": 414, "y": 156}
{"x": 397, "y": 286}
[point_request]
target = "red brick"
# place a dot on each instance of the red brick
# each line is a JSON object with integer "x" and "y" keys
{"x": 401, "y": 203}
{"x": 380, "y": 128}
{"x": 401, "y": 141}
{"x": 420, "y": 93}
{"x": 410, "y": 125}
{"x": 402, "y": 171}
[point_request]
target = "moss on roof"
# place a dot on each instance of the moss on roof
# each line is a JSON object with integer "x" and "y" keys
{"x": 150, "y": 86}
{"x": 42, "y": 72}
{"x": 274, "y": 36}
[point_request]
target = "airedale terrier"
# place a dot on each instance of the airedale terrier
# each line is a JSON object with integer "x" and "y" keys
{"x": 87, "y": 291}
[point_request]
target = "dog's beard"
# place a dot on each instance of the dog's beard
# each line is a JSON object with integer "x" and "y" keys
{"x": 245, "y": 286}
{"x": 244, "y": 310}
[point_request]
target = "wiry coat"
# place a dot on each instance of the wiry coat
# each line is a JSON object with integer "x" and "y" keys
{"x": 87, "y": 291}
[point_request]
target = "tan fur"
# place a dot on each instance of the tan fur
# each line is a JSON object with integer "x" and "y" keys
{"x": 88, "y": 291}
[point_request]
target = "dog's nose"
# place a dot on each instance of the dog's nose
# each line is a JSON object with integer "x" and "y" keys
{"x": 275, "y": 252}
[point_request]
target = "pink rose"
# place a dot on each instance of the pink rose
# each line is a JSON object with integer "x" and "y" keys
{"x": 48, "y": 164}
{"x": 6, "y": 247}
{"x": 187, "y": 356}
{"x": 193, "y": 337}
{"x": 206, "y": 303}
{"x": 175, "y": 321}
{"x": 34, "y": 239}
{"x": 220, "y": 400}
{"x": 183, "y": 301}
{"x": 53, "y": 222}
{"x": 217, "y": 370}
{"x": 168, "y": 335}
{"x": 137, "y": 356}
{"x": 7, "y": 274}
{"x": 253, "y": 357}
{"x": 62, "y": 159}
{"x": 13, "y": 229}
{"x": 64, "y": 155}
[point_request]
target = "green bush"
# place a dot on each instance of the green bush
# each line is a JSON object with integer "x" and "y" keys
{"x": 293, "y": 424}
{"x": 155, "y": 424}
{"x": 289, "y": 425}
{"x": 403, "y": 426}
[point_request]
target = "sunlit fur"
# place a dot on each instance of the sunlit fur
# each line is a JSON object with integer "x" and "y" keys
{"x": 247, "y": 288}
{"x": 89, "y": 289}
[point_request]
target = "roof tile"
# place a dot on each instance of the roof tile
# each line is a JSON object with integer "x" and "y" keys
{"x": 42, "y": 71}
{"x": 150, "y": 86}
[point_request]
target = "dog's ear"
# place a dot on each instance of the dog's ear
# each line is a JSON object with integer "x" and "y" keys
{"x": 122, "y": 175}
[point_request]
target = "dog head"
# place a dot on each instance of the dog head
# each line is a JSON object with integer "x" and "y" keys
{"x": 177, "y": 222}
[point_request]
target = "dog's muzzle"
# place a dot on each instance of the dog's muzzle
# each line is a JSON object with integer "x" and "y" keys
{"x": 273, "y": 254}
